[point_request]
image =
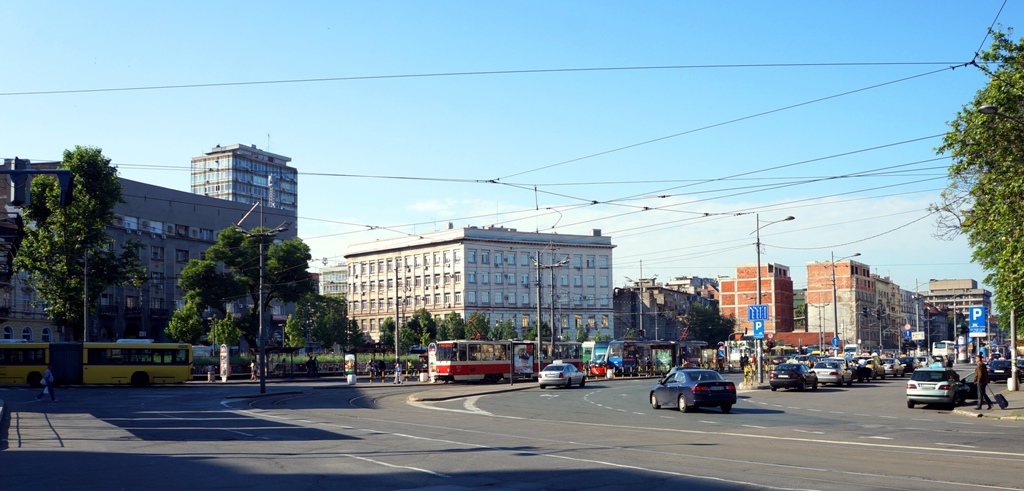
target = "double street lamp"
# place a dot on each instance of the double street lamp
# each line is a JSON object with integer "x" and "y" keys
{"x": 757, "y": 245}
{"x": 262, "y": 235}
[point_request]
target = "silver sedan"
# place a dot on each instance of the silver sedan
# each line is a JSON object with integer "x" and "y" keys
{"x": 833, "y": 371}
{"x": 559, "y": 374}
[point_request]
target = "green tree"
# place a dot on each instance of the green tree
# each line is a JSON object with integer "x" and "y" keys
{"x": 984, "y": 198}
{"x": 207, "y": 288}
{"x": 294, "y": 332}
{"x": 582, "y": 334}
{"x": 387, "y": 332}
{"x": 186, "y": 325}
{"x": 602, "y": 337}
{"x": 285, "y": 277}
{"x": 58, "y": 242}
{"x": 800, "y": 310}
{"x": 531, "y": 333}
{"x": 451, "y": 327}
{"x": 708, "y": 324}
{"x": 505, "y": 330}
{"x": 354, "y": 335}
{"x": 226, "y": 331}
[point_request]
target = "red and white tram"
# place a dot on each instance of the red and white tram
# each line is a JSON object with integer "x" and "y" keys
{"x": 471, "y": 360}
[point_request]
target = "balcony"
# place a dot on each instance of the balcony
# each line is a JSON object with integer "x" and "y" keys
{"x": 133, "y": 312}
{"x": 159, "y": 313}
{"x": 108, "y": 310}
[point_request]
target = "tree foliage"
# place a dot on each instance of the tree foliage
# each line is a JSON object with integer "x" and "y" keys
{"x": 478, "y": 326}
{"x": 452, "y": 326}
{"x": 708, "y": 324}
{"x": 582, "y": 334}
{"x": 505, "y": 330}
{"x": 59, "y": 242}
{"x": 285, "y": 277}
{"x": 984, "y": 198}
{"x": 186, "y": 325}
{"x": 226, "y": 331}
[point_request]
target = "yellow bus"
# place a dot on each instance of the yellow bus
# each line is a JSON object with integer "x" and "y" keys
{"x": 135, "y": 362}
{"x": 22, "y": 362}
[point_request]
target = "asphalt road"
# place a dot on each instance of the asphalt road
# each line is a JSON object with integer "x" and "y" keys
{"x": 602, "y": 437}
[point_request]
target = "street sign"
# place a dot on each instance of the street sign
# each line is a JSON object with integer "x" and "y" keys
{"x": 906, "y": 334}
{"x": 978, "y": 322}
{"x": 757, "y": 312}
{"x": 835, "y": 342}
{"x": 917, "y": 336}
{"x": 759, "y": 329}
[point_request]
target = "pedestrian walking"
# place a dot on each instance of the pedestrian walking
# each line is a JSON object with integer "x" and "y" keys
{"x": 398, "y": 373}
{"x": 252, "y": 370}
{"x": 47, "y": 382}
{"x": 981, "y": 380}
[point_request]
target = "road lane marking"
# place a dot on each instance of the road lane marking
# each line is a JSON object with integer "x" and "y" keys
{"x": 878, "y": 437}
{"x": 956, "y": 445}
{"x": 755, "y": 426}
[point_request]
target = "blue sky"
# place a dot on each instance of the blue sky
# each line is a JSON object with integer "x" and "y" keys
{"x": 673, "y": 163}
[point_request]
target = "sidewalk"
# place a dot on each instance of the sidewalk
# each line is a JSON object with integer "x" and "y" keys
{"x": 1014, "y": 410}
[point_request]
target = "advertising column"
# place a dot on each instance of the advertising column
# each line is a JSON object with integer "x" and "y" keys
{"x": 225, "y": 363}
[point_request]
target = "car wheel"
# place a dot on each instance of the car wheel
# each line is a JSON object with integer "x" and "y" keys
{"x": 583, "y": 382}
{"x": 542, "y": 386}
{"x": 682, "y": 405}
{"x": 654, "y": 401}
{"x": 815, "y": 386}
{"x": 803, "y": 386}
{"x": 774, "y": 389}
{"x": 883, "y": 376}
{"x": 910, "y": 404}
{"x": 849, "y": 382}
{"x": 726, "y": 408}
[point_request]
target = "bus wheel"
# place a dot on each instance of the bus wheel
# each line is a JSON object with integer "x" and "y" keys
{"x": 140, "y": 379}
{"x": 35, "y": 379}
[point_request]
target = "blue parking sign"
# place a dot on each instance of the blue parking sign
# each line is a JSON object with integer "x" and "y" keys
{"x": 758, "y": 329}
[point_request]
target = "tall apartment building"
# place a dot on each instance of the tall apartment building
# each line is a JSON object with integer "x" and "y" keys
{"x": 740, "y": 292}
{"x": 246, "y": 174}
{"x": 484, "y": 271}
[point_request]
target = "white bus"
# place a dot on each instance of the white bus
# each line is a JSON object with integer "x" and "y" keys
{"x": 943, "y": 348}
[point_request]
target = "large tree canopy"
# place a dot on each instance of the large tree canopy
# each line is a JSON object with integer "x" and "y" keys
{"x": 60, "y": 242}
{"x": 985, "y": 195}
{"x": 285, "y": 277}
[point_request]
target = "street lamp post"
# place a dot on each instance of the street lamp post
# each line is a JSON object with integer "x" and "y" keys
{"x": 835, "y": 293}
{"x": 757, "y": 245}
{"x": 261, "y": 235}
{"x": 541, "y": 267}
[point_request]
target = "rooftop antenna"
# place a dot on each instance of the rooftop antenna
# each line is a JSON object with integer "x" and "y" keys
{"x": 268, "y": 142}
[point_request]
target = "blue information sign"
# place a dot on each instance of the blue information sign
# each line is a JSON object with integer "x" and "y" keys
{"x": 835, "y": 342}
{"x": 906, "y": 334}
{"x": 757, "y": 312}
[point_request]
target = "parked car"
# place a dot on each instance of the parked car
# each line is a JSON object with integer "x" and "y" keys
{"x": 563, "y": 374}
{"x": 933, "y": 386}
{"x": 999, "y": 371}
{"x": 871, "y": 368}
{"x": 892, "y": 367}
{"x": 688, "y": 389}
{"x": 792, "y": 375}
{"x": 834, "y": 371}
{"x": 909, "y": 364}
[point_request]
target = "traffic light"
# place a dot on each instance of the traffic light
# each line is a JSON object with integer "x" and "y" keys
{"x": 20, "y": 184}
{"x": 770, "y": 344}
{"x": 67, "y": 188}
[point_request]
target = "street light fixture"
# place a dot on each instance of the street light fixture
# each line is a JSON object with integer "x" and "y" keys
{"x": 261, "y": 235}
{"x": 835, "y": 293}
{"x": 757, "y": 245}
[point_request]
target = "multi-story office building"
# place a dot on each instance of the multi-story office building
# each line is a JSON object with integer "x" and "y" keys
{"x": 246, "y": 174}
{"x": 334, "y": 280}
{"x": 837, "y": 294}
{"x": 173, "y": 227}
{"x": 776, "y": 291}
{"x": 489, "y": 271}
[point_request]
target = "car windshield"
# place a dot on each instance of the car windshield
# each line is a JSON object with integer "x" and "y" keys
{"x": 929, "y": 375}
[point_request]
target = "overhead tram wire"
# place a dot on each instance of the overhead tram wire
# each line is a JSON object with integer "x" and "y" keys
{"x": 463, "y": 74}
{"x": 723, "y": 123}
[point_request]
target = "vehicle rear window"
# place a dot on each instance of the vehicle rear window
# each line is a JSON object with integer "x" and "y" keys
{"x": 788, "y": 366}
{"x": 929, "y": 376}
{"x": 554, "y": 368}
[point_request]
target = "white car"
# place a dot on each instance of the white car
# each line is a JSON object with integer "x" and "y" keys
{"x": 834, "y": 371}
{"x": 893, "y": 367}
{"x": 561, "y": 374}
